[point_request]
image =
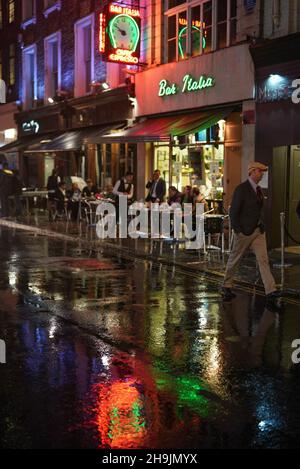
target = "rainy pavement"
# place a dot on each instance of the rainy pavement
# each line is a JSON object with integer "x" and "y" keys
{"x": 111, "y": 352}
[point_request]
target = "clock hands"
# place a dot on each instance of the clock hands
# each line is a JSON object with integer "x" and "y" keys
{"x": 122, "y": 31}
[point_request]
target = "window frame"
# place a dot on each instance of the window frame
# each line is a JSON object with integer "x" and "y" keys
{"x": 48, "y": 71}
{"x": 48, "y": 9}
{"x": 30, "y": 50}
{"x": 188, "y": 6}
{"x": 9, "y": 4}
{"x": 12, "y": 64}
{"x": 79, "y": 79}
{"x": 28, "y": 21}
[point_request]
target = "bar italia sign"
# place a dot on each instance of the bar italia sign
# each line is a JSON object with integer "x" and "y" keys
{"x": 189, "y": 85}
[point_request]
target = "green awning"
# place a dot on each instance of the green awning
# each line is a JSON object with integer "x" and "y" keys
{"x": 160, "y": 129}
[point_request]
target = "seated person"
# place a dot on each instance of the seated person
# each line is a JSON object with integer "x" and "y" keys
{"x": 187, "y": 196}
{"x": 74, "y": 196}
{"x": 175, "y": 197}
{"x": 199, "y": 199}
{"x": 90, "y": 190}
{"x": 108, "y": 193}
{"x": 60, "y": 197}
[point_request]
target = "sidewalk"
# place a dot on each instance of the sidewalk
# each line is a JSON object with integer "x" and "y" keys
{"x": 174, "y": 254}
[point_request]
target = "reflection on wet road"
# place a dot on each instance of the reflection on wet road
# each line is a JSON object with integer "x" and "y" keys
{"x": 104, "y": 352}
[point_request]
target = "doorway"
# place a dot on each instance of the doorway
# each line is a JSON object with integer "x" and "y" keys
{"x": 286, "y": 192}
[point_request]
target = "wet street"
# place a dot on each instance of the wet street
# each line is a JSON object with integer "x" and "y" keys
{"x": 111, "y": 352}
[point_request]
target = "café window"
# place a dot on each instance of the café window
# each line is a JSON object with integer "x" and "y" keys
{"x": 194, "y": 160}
{"x": 198, "y": 28}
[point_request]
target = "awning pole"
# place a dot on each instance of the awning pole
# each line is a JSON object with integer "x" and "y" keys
{"x": 170, "y": 161}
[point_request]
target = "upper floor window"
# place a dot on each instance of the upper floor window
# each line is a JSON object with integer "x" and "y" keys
{"x": 84, "y": 57}
{"x": 28, "y": 12}
{"x": 51, "y": 5}
{"x": 11, "y": 11}
{"x": 29, "y": 76}
{"x": 28, "y": 9}
{"x": 195, "y": 28}
{"x": 52, "y": 65}
{"x": 12, "y": 65}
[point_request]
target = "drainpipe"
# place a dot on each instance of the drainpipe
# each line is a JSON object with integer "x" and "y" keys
{"x": 276, "y": 14}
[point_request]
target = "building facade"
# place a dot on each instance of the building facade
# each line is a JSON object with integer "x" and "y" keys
{"x": 277, "y": 74}
{"x": 10, "y": 19}
{"x": 68, "y": 95}
{"x": 195, "y": 94}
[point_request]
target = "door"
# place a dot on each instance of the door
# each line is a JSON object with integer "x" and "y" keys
{"x": 294, "y": 193}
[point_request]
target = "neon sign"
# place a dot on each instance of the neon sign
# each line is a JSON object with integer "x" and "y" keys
{"x": 32, "y": 127}
{"x": 189, "y": 84}
{"x": 120, "y": 34}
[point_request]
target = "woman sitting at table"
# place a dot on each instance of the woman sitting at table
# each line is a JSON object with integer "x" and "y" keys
{"x": 90, "y": 190}
{"x": 198, "y": 198}
{"x": 74, "y": 196}
{"x": 187, "y": 197}
{"x": 175, "y": 197}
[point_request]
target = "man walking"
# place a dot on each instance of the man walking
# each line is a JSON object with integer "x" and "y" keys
{"x": 157, "y": 188}
{"x": 247, "y": 222}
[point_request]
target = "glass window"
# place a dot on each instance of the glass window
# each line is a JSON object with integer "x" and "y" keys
{"x": 191, "y": 30}
{"x": 28, "y": 9}
{"x": 29, "y": 76}
{"x": 12, "y": 65}
{"x": 172, "y": 38}
{"x": 87, "y": 37}
{"x": 182, "y": 35}
{"x": 196, "y": 30}
{"x": 11, "y": 11}
{"x": 233, "y": 22}
{"x": 175, "y": 3}
{"x": 221, "y": 24}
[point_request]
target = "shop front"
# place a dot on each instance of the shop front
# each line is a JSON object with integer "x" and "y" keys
{"x": 65, "y": 136}
{"x": 190, "y": 123}
{"x": 277, "y": 131}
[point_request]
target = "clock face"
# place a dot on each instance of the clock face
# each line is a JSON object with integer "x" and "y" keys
{"x": 124, "y": 32}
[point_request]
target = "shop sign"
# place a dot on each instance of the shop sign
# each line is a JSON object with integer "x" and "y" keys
{"x": 120, "y": 34}
{"x": 31, "y": 127}
{"x": 189, "y": 84}
{"x": 277, "y": 88}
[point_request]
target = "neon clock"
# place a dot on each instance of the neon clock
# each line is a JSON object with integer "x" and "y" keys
{"x": 120, "y": 34}
{"x": 195, "y": 40}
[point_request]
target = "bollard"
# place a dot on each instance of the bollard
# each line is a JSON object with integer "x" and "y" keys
{"x": 282, "y": 264}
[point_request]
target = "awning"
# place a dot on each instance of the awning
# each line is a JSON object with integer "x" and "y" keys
{"x": 22, "y": 143}
{"x": 160, "y": 129}
{"x": 71, "y": 140}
